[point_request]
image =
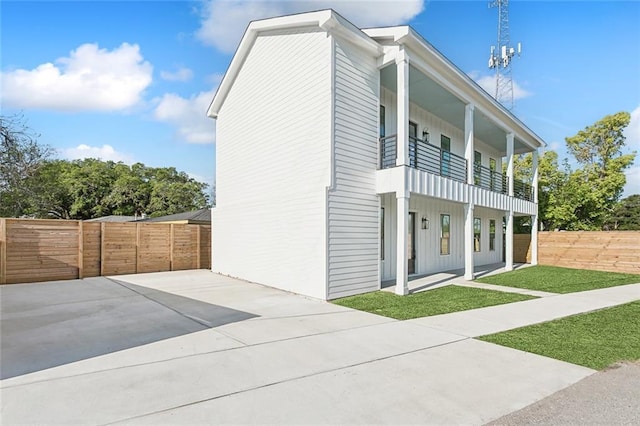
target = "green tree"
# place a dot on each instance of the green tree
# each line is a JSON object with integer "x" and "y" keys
{"x": 174, "y": 192}
{"x": 551, "y": 197}
{"x": 131, "y": 191}
{"x": 21, "y": 156}
{"x": 52, "y": 196}
{"x": 596, "y": 187}
{"x": 89, "y": 188}
{"x": 626, "y": 215}
{"x": 583, "y": 198}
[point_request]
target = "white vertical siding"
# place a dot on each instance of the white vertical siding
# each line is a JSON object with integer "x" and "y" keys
{"x": 436, "y": 127}
{"x": 353, "y": 205}
{"x": 428, "y": 257}
{"x": 273, "y": 144}
{"x": 423, "y": 119}
{"x": 486, "y": 256}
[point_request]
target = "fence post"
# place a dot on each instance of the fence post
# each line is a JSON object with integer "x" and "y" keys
{"x": 137, "y": 246}
{"x": 198, "y": 247}
{"x": 3, "y": 251}
{"x": 80, "y": 250}
{"x": 171, "y": 247}
{"x": 103, "y": 228}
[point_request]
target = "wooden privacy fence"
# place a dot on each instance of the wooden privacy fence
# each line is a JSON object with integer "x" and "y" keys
{"x": 615, "y": 251}
{"x": 44, "y": 250}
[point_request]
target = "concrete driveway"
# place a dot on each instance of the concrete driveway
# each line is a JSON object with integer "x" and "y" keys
{"x": 195, "y": 347}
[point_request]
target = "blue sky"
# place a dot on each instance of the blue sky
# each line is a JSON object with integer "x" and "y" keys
{"x": 130, "y": 81}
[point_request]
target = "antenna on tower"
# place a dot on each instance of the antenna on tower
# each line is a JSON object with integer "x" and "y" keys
{"x": 500, "y": 58}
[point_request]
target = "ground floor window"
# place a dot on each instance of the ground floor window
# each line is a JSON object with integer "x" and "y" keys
{"x": 492, "y": 235}
{"x": 445, "y": 233}
{"x": 477, "y": 226}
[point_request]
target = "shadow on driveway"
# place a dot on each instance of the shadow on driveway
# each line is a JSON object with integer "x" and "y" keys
{"x": 49, "y": 324}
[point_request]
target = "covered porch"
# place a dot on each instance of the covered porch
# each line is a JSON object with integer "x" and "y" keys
{"x": 418, "y": 283}
{"x": 443, "y": 143}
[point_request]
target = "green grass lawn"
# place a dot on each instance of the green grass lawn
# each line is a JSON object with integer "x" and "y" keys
{"x": 432, "y": 302}
{"x": 595, "y": 340}
{"x": 559, "y": 280}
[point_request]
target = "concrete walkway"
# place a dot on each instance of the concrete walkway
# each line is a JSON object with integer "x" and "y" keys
{"x": 245, "y": 353}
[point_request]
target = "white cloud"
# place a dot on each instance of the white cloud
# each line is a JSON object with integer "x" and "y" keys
{"x": 488, "y": 83}
{"x": 209, "y": 180}
{"x": 633, "y": 181}
{"x": 104, "y": 152}
{"x": 214, "y": 78}
{"x": 90, "y": 78}
{"x": 188, "y": 115}
{"x": 224, "y": 21}
{"x": 632, "y": 133}
{"x": 554, "y": 146}
{"x": 182, "y": 74}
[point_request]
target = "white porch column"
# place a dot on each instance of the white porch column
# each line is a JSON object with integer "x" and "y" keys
{"x": 402, "y": 267}
{"x": 510, "y": 163}
{"x": 468, "y": 141}
{"x": 508, "y": 256}
{"x": 534, "y": 239}
{"x": 534, "y": 181}
{"x": 534, "y": 218}
{"x": 402, "y": 143}
{"x": 468, "y": 241}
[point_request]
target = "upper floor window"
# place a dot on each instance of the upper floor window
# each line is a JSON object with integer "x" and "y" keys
{"x": 477, "y": 167}
{"x": 492, "y": 178}
{"x": 413, "y": 144}
{"x": 445, "y": 160}
{"x": 382, "y": 122}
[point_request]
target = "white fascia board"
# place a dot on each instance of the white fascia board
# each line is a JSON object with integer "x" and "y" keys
{"x": 340, "y": 26}
{"x": 391, "y": 33}
{"x": 327, "y": 19}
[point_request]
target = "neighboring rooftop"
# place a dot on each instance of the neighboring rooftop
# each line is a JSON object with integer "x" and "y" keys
{"x": 202, "y": 216}
{"x": 114, "y": 218}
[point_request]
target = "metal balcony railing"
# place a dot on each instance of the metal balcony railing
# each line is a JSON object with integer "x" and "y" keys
{"x": 430, "y": 158}
{"x": 489, "y": 179}
{"x": 424, "y": 156}
{"x": 522, "y": 190}
{"x": 388, "y": 152}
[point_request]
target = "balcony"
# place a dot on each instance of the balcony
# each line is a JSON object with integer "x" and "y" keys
{"x": 431, "y": 159}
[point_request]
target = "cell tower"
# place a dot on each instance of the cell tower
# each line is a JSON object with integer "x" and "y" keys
{"x": 500, "y": 58}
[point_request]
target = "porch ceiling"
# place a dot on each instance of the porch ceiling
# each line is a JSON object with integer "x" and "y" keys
{"x": 429, "y": 95}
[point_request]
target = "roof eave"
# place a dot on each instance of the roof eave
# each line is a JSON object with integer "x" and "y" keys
{"x": 405, "y": 35}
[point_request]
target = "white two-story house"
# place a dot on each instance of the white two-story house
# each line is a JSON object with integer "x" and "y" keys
{"x": 350, "y": 157}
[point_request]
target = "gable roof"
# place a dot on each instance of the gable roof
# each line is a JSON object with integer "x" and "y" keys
{"x": 326, "y": 19}
{"x": 373, "y": 40}
{"x": 113, "y": 218}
